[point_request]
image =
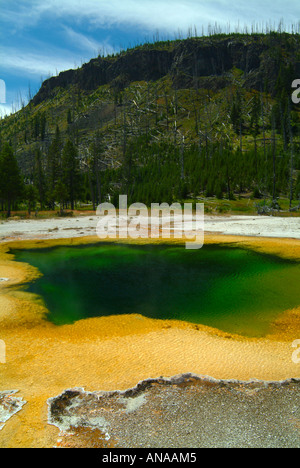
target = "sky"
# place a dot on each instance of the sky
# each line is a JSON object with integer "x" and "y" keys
{"x": 41, "y": 38}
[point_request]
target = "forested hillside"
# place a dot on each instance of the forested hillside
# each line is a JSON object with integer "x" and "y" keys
{"x": 201, "y": 118}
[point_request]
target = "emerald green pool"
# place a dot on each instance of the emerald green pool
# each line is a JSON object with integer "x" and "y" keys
{"x": 232, "y": 289}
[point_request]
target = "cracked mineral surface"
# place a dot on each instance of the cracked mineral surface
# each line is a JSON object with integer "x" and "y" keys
{"x": 181, "y": 412}
{"x": 9, "y": 405}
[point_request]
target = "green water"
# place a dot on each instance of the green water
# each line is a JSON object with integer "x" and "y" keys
{"x": 232, "y": 289}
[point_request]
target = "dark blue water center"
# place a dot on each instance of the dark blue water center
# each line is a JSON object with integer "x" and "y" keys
{"x": 233, "y": 289}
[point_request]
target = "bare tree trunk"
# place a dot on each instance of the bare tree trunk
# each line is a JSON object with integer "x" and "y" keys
{"x": 98, "y": 181}
{"x": 182, "y": 159}
{"x": 274, "y": 160}
{"x": 124, "y": 130}
{"x": 92, "y": 190}
{"x": 292, "y": 163}
{"x": 167, "y": 109}
{"x": 8, "y": 208}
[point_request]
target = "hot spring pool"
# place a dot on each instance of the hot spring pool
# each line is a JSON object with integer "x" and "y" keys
{"x": 232, "y": 289}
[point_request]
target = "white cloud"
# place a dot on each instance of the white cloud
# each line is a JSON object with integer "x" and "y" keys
{"x": 165, "y": 15}
{"x": 29, "y": 63}
{"x": 82, "y": 41}
{"x": 86, "y": 43}
{"x": 6, "y": 109}
{"x": 79, "y": 24}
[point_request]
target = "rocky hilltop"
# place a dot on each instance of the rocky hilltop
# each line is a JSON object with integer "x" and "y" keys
{"x": 189, "y": 63}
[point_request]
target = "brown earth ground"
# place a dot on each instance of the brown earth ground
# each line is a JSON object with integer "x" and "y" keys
{"x": 114, "y": 353}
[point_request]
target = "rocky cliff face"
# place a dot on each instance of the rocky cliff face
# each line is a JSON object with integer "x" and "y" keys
{"x": 137, "y": 65}
{"x": 187, "y": 62}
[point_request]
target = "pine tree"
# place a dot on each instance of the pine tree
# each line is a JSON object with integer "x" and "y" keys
{"x": 254, "y": 125}
{"x": 39, "y": 178}
{"x": 10, "y": 182}
{"x": 61, "y": 194}
{"x": 31, "y": 196}
{"x": 53, "y": 166}
{"x": 96, "y": 151}
{"x": 43, "y": 126}
{"x": 236, "y": 114}
{"x": 69, "y": 117}
{"x": 70, "y": 171}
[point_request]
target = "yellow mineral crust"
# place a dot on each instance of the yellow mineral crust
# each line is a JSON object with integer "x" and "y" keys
{"x": 114, "y": 353}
